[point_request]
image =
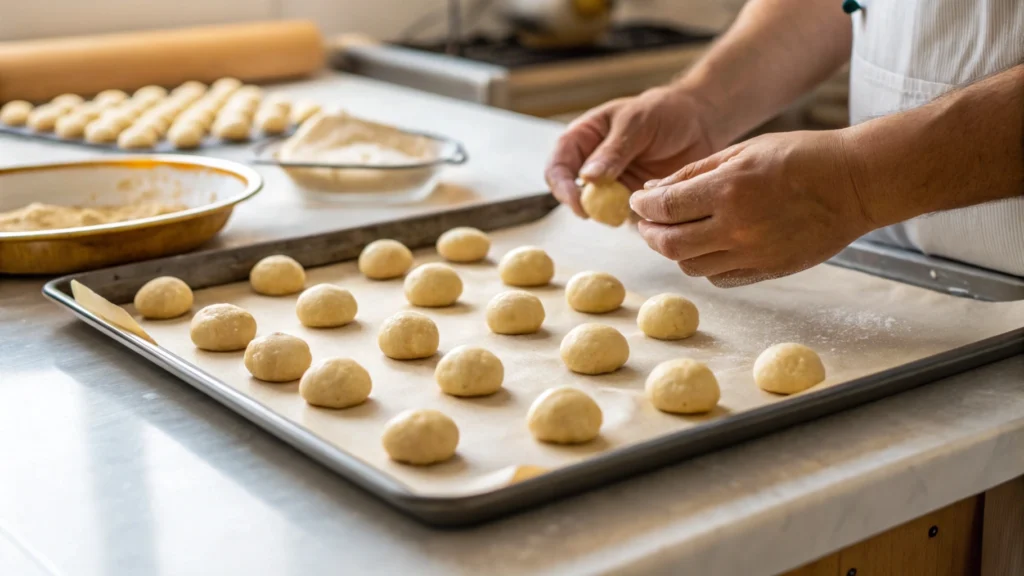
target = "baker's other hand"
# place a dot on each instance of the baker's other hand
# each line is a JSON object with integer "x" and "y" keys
{"x": 631, "y": 140}
{"x": 768, "y": 207}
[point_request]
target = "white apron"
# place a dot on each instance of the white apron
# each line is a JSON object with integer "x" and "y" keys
{"x": 905, "y": 54}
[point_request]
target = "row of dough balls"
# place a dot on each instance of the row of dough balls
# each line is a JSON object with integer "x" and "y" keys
{"x": 227, "y": 109}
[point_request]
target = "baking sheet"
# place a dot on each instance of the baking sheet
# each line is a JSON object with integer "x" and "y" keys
{"x": 860, "y": 325}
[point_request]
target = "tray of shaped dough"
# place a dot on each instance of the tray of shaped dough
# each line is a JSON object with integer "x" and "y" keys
{"x": 189, "y": 117}
{"x": 461, "y": 375}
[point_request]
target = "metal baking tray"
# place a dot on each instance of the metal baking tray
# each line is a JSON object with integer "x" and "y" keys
{"x": 210, "y": 268}
{"x": 162, "y": 147}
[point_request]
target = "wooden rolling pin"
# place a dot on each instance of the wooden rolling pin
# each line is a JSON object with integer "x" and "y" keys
{"x": 38, "y": 70}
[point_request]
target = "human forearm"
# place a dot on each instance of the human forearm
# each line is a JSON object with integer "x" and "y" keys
{"x": 965, "y": 148}
{"x": 775, "y": 51}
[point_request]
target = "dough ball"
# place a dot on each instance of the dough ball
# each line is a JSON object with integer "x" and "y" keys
{"x": 304, "y": 110}
{"x": 277, "y": 357}
{"x": 607, "y": 202}
{"x": 683, "y": 386}
{"x": 226, "y": 85}
{"x": 150, "y": 94}
{"x": 109, "y": 98}
{"x": 71, "y": 126}
{"x": 232, "y": 127}
{"x": 89, "y": 111}
{"x": 250, "y": 91}
{"x": 594, "y": 292}
{"x": 271, "y": 121}
{"x": 158, "y": 122}
{"x": 15, "y": 113}
{"x": 44, "y": 118}
{"x": 67, "y": 101}
{"x": 788, "y": 368}
{"x": 118, "y": 119}
{"x": 668, "y": 317}
{"x": 277, "y": 104}
{"x": 335, "y": 383}
{"x": 163, "y": 297}
{"x": 408, "y": 336}
{"x": 326, "y": 306}
{"x": 277, "y": 275}
{"x": 515, "y": 312}
{"x": 564, "y": 415}
{"x": 594, "y": 349}
{"x": 469, "y": 371}
{"x": 222, "y": 328}
{"x": 185, "y": 136}
{"x": 136, "y": 137}
{"x": 433, "y": 285}
{"x": 102, "y": 132}
{"x": 463, "y": 245}
{"x": 384, "y": 259}
{"x": 526, "y": 266}
{"x": 420, "y": 437}
{"x": 191, "y": 90}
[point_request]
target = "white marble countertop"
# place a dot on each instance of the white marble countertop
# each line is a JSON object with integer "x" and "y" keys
{"x": 111, "y": 466}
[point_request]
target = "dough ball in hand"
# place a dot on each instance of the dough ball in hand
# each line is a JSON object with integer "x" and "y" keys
{"x": 408, "y": 336}
{"x": 469, "y": 371}
{"x": 164, "y": 297}
{"x": 420, "y": 437}
{"x": 668, "y": 317}
{"x": 335, "y": 383}
{"x": 788, "y": 368}
{"x": 594, "y": 292}
{"x": 606, "y": 202}
{"x": 594, "y": 349}
{"x": 515, "y": 312}
{"x": 15, "y": 113}
{"x": 277, "y": 357}
{"x": 277, "y": 275}
{"x": 683, "y": 386}
{"x": 564, "y": 415}
{"x": 526, "y": 266}
{"x": 326, "y": 306}
{"x": 433, "y": 285}
{"x": 222, "y": 328}
{"x": 384, "y": 259}
{"x": 463, "y": 244}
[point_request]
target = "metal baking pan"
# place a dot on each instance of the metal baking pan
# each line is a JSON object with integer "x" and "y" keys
{"x": 162, "y": 147}
{"x": 205, "y": 269}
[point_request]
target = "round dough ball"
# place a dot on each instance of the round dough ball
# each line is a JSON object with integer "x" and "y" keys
{"x": 102, "y": 132}
{"x": 564, "y": 415}
{"x": 384, "y": 259}
{"x": 594, "y": 349}
{"x": 15, "y": 113}
{"x": 150, "y": 94}
{"x": 222, "y": 328}
{"x": 526, "y": 266}
{"x": 277, "y": 357}
{"x": 420, "y": 437}
{"x": 44, "y": 118}
{"x": 186, "y": 135}
{"x": 683, "y": 386}
{"x": 463, "y": 244}
{"x": 515, "y": 312}
{"x": 192, "y": 89}
{"x": 277, "y": 275}
{"x": 118, "y": 118}
{"x": 668, "y": 317}
{"x": 136, "y": 137}
{"x": 233, "y": 127}
{"x": 469, "y": 371}
{"x": 278, "y": 104}
{"x": 226, "y": 85}
{"x": 326, "y": 306}
{"x": 271, "y": 121}
{"x": 607, "y": 202}
{"x": 433, "y": 285}
{"x": 249, "y": 91}
{"x": 109, "y": 98}
{"x": 336, "y": 383}
{"x": 788, "y": 368}
{"x": 67, "y": 101}
{"x": 408, "y": 336}
{"x": 71, "y": 126}
{"x": 304, "y": 110}
{"x": 162, "y": 298}
{"x": 594, "y": 292}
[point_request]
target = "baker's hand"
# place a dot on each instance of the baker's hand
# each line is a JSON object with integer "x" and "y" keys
{"x": 768, "y": 207}
{"x": 630, "y": 139}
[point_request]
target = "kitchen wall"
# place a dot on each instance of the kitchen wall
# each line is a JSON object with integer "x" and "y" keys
{"x": 22, "y": 19}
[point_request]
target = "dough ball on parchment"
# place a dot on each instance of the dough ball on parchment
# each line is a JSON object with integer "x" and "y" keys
{"x": 162, "y": 298}
{"x": 606, "y": 202}
{"x": 463, "y": 244}
{"x": 515, "y": 312}
{"x": 526, "y": 266}
{"x": 408, "y": 336}
{"x": 277, "y": 357}
{"x": 277, "y": 275}
{"x": 594, "y": 292}
{"x": 594, "y": 349}
{"x": 326, "y": 306}
{"x": 433, "y": 285}
{"x": 222, "y": 328}
{"x": 788, "y": 368}
{"x": 469, "y": 371}
{"x": 15, "y": 113}
{"x": 420, "y": 437}
{"x": 683, "y": 386}
{"x": 668, "y": 317}
{"x": 564, "y": 415}
{"x": 384, "y": 259}
{"x": 335, "y": 383}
